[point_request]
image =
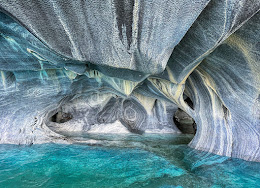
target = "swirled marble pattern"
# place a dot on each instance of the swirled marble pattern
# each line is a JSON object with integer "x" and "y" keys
{"x": 130, "y": 65}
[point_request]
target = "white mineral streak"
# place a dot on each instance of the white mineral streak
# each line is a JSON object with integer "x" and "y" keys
{"x": 112, "y": 128}
{"x": 147, "y": 102}
{"x": 127, "y": 66}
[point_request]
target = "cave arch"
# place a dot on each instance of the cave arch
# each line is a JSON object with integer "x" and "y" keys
{"x": 214, "y": 50}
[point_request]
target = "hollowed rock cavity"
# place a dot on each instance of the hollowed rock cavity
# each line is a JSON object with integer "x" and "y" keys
{"x": 61, "y": 117}
{"x": 116, "y": 67}
{"x": 184, "y": 122}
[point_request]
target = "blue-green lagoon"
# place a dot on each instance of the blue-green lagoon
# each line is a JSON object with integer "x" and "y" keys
{"x": 152, "y": 160}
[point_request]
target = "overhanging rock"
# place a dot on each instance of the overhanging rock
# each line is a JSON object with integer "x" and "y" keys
{"x": 132, "y": 63}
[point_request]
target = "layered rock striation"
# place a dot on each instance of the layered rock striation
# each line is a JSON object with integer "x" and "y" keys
{"x": 129, "y": 65}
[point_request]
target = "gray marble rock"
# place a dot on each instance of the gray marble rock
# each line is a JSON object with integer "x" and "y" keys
{"x": 127, "y": 66}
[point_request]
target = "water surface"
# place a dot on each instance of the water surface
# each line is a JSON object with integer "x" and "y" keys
{"x": 122, "y": 161}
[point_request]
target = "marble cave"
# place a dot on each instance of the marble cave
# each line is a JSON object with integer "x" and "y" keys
{"x": 132, "y": 67}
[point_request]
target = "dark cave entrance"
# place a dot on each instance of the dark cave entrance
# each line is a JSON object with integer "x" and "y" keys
{"x": 185, "y": 123}
{"x": 61, "y": 117}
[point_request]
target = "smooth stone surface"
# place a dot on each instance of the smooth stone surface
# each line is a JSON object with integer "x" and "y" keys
{"x": 133, "y": 63}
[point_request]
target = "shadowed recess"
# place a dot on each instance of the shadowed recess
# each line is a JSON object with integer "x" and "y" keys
{"x": 129, "y": 67}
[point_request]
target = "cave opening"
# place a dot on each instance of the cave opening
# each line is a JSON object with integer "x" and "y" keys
{"x": 184, "y": 122}
{"x": 61, "y": 117}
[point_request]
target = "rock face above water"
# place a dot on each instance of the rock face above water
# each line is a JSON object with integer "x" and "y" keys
{"x": 132, "y": 64}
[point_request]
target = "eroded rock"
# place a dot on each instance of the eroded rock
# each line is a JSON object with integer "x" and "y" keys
{"x": 132, "y": 64}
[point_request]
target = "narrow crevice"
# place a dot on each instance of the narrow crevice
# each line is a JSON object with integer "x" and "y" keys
{"x": 225, "y": 110}
{"x": 189, "y": 102}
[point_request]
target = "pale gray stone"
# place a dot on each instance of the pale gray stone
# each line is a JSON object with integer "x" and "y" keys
{"x": 79, "y": 66}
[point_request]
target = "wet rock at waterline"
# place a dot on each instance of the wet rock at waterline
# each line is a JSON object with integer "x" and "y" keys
{"x": 77, "y": 65}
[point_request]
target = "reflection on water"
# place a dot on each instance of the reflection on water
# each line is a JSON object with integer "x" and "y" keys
{"x": 122, "y": 161}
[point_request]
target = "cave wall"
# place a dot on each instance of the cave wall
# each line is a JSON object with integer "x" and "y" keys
{"x": 88, "y": 112}
{"x": 132, "y": 63}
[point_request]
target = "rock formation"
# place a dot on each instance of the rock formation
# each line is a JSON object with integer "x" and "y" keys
{"x": 129, "y": 65}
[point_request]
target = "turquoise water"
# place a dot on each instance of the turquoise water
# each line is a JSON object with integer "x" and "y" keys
{"x": 122, "y": 161}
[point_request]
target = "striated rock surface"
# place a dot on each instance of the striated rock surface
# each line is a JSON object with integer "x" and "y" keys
{"x": 127, "y": 66}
